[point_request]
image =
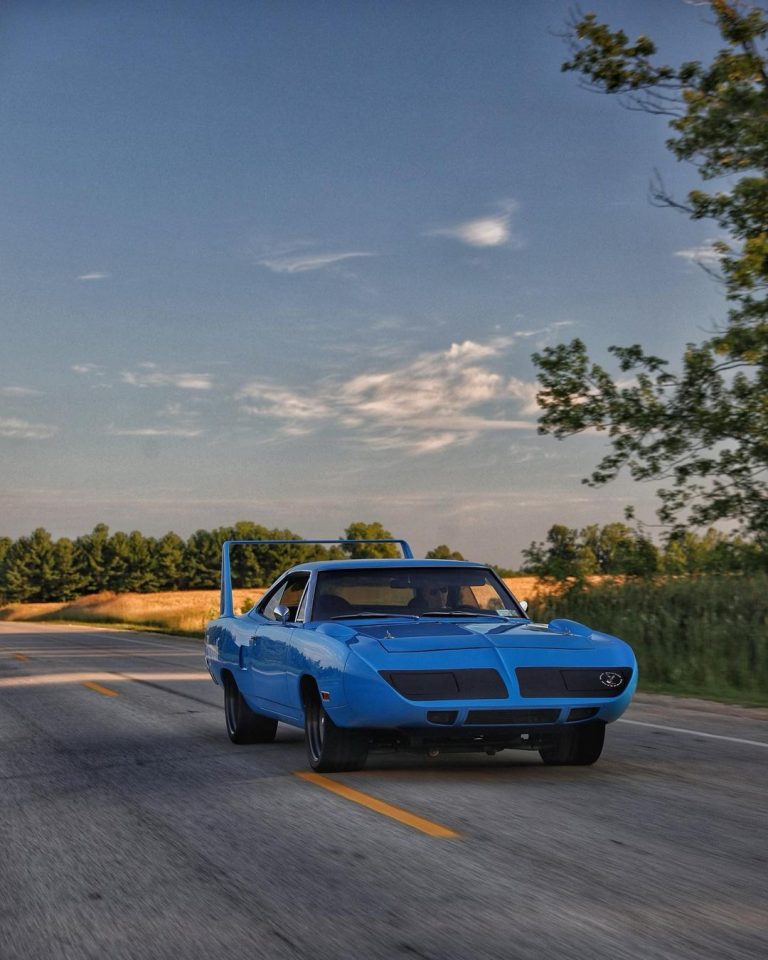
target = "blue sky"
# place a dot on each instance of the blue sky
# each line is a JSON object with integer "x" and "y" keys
{"x": 288, "y": 261}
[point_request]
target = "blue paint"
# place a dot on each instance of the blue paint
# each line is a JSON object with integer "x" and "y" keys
{"x": 350, "y": 658}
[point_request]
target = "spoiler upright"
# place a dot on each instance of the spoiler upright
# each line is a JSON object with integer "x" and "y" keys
{"x": 226, "y": 608}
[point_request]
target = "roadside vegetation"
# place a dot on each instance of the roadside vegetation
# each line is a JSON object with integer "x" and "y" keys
{"x": 705, "y": 636}
{"x": 183, "y": 613}
{"x": 619, "y": 550}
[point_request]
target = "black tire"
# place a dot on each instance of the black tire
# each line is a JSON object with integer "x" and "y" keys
{"x": 243, "y": 724}
{"x": 577, "y": 746}
{"x": 330, "y": 748}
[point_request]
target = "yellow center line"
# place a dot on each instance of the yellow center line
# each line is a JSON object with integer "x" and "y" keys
{"x": 379, "y": 806}
{"x": 20, "y": 656}
{"x": 104, "y": 691}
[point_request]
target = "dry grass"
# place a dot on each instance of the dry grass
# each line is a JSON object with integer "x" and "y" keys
{"x": 185, "y": 611}
{"x": 528, "y": 588}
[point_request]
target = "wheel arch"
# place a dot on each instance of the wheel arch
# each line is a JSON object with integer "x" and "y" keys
{"x": 308, "y": 688}
{"x": 227, "y": 676}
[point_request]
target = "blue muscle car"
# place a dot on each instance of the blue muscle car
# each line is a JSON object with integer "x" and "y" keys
{"x": 426, "y": 655}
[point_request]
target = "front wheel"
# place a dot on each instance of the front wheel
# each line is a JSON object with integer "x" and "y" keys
{"x": 575, "y": 746}
{"x": 243, "y": 724}
{"x": 331, "y": 748}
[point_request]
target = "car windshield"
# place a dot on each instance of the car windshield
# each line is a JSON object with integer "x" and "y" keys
{"x": 414, "y": 591}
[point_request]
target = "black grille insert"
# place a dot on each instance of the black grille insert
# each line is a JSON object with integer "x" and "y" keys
{"x": 447, "y": 684}
{"x": 484, "y": 717}
{"x": 570, "y": 682}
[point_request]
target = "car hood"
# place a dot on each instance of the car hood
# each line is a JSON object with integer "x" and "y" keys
{"x": 422, "y": 637}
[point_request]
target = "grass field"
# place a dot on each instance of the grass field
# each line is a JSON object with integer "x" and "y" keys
{"x": 184, "y": 612}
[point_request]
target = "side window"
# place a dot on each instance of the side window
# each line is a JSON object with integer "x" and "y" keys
{"x": 289, "y": 593}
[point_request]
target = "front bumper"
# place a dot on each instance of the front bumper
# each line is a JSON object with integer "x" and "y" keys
{"x": 372, "y": 700}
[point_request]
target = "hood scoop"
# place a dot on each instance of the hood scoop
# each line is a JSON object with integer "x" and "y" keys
{"x": 421, "y": 637}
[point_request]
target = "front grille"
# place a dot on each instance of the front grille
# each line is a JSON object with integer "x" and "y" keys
{"x": 482, "y": 717}
{"x": 447, "y": 684}
{"x": 571, "y": 682}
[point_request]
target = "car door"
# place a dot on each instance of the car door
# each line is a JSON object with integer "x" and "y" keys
{"x": 270, "y": 641}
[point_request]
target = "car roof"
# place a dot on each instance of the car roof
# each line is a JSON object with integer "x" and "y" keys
{"x": 380, "y": 563}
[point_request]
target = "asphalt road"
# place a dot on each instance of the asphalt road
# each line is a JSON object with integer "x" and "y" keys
{"x": 130, "y": 827}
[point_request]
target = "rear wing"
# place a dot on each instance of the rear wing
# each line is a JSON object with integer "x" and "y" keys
{"x": 226, "y": 608}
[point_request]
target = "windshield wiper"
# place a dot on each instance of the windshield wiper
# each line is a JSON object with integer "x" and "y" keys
{"x": 371, "y": 613}
{"x": 460, "y": 613}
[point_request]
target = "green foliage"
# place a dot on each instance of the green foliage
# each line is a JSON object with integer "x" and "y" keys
{"x": 505, "y": 572}
{"x": 90, "y": 559}
{"x": 168, "y": 561}
{"x": 706, "y": 636}
{"x": 443, "y": 552}
{"x": 702, "y": 429}
{"x": 35, "y": 568}
{"x": 5, "y": 545}
{"x": 612, "y": 549}
{"x": 618, "y": 550}
{"x": 369, "y": 531}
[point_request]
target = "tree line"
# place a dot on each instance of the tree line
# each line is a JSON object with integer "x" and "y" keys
{"x": 619, "y": 550}
{"x": 37, "y": 568}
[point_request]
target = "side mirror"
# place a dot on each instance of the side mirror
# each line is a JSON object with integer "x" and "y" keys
{"x": 524, "y": 605}
{"x": 282, "y": 613}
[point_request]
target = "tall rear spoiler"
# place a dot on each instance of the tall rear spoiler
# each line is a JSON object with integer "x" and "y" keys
{"x": 226, "y": 609}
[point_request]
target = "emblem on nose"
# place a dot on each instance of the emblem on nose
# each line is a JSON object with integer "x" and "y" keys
{"x": 610, "y": 678}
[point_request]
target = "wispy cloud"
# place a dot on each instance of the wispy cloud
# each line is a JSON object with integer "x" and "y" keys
{"x": 94, "y": 276}
{"x": 150, "y": 375}
{"x": 310, "y": 261}
{"x": 85, "y": 368}
{"x": 19, "y": 392}
{"x": 439, "y": 399}
{"x": 154, "y": 432}
{"x": 263, "y": 397}
{"x": 491, "y": 231}
{"x": 12, "y": 427}
{"x": 707, "y": 254}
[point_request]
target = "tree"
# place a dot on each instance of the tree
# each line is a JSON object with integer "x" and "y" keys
{"x": 67, "y": 582}
{"x": 202, "y": 560}
{"x": 369, "y": 531}
{"x": 612, "y": 549}
{"x": 444, "y": 552}
{"x": 90, "y": 558}
{"x": 139, "y": 572}
{"x": 701, "y": 429}
{"x": 618, "y": 549}
{"x": 168, "y": 561}
{"x": 5, "y": 545}
{"x": 563, "y": 555}
{"x": 29, "y": 568}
